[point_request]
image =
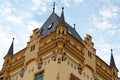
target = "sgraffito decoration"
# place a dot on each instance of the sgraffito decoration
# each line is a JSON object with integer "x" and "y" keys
{"x": 80, "y": 68}
{"x": 40, "y": 64}
{"x": 64, "y": 56}
{"x": 53, "y": 57}
{"x": 22, "y": 72}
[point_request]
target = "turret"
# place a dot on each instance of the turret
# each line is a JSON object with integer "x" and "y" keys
{"x": 7, "y": 60}
{"x": 114, "y": 70}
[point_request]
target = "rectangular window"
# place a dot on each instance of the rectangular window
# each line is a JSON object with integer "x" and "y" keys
{"x": 39, "y": 76}
{"x": 33, "y": 47}
{"x": 89, "y": 54}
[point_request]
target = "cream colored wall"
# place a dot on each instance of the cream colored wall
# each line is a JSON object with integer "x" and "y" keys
{"x": 29, "y": 74}
{"x": 88, "y": 73}
{"x": 50, "y": 69}
{"x": 89, "y": 60}
{"x": 65, "y": 70}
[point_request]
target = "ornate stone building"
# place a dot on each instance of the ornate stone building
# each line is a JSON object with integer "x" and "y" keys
{"x": 57, "y": 52}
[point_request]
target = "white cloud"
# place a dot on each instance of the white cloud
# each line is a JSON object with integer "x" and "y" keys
{"x": 101, "y": 24}
{"x": 37, "y": 2}
{"x": 109, "y": 12}
{"x": 78, "y": 1}
{"x": 6, "y": 8}
{"x": 14, "y": 19}
{"x": 106, "y": 17}
{"x": 33, "y": 24}
{"x": 69, "y": 2}
{"x": 39, "y": 6}
{"x": 66, "y": 2}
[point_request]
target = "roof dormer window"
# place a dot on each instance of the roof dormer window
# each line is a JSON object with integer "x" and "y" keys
{"x": 50, "y": 26}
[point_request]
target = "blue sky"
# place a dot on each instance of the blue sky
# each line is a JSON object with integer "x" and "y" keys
{"x": 99, "y": 18}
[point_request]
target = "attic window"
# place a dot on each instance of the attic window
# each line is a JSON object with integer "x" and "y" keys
{"x": 50, "y": 26}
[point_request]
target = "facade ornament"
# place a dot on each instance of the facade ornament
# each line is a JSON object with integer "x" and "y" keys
{"x": 22, "y": 72}
{"x": 80, "y": 68}
{"x": 64, "y": 56}
{"x": 54, "y": 56}
{"x": 9, "y": 78}
{"x": 40, "y": 64}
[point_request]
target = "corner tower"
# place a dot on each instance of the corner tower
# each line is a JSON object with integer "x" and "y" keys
{"x": 8, "y": 59}
{"x": 62, "y": 47}
{"x": 114, "y": 70}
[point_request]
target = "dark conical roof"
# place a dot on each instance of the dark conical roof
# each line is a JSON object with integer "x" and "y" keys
{"x": 11, "y": 50}
{"x": 53, "y": 21}
{"x": 112, "y": 62}
{"x": 62, "y": 20}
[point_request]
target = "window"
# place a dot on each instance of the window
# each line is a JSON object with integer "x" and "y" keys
{"x": 87, "y": 76}
{"x": 59, "y": 32}
{"x": 8, "y": 61}
{"x": 113, "y": 73}
{"x": 63, "y": 32}
{"x": 84, "y": 74}
{"x": 39, "y": 76}
{"x": 75, "y": 67}
{"x": 68, "y": 62}
{"x": 89, "y": 54}
{"x": 33, "y": 47}
{"x": 16, "y": 77}
{"x": 71, "y": 64}
{"x": 50, "y": 26}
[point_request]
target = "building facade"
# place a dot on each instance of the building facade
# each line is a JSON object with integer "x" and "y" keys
{"x": 57, "y": 52}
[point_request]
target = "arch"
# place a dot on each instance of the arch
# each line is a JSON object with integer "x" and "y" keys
{"x": 33, "y": 59}
{"x": 89, "y": 67}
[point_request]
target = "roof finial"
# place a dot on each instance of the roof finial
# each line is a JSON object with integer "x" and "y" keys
{"x": 62, "y": 9}
{"x": 74, "y": 26}
{"x": 54, "y": 6}
{"x": 13, "y": 38}
{"x": 111, "y": 50}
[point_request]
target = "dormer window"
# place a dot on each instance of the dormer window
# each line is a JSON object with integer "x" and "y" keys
{"x": 50, "y": 26}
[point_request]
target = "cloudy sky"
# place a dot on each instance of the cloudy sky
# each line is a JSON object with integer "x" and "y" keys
{"x": 99, "y": 18}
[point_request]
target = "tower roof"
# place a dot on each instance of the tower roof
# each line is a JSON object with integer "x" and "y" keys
{"x": 11, "y": 50}
{"x": 62, "y": 20}
{"x": 112, "y": 62}
{"x": 53, "y": 21}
